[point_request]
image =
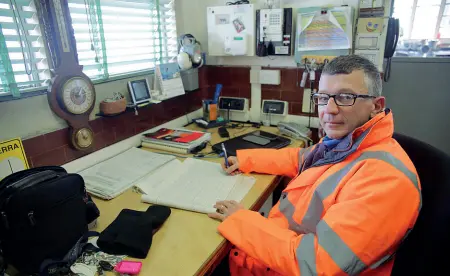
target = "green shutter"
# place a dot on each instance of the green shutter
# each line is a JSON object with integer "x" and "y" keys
{"x": 8, "y": 82}
{"x": 13, "y": 47}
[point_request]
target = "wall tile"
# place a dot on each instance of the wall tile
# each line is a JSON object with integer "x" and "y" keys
{"x": 34, "y": 146}
{"x": 125, "y": 131}
{"x": 224, "y": 77}
{"x": 245, "y": 91}
{"x": 240, "y": 76}
{"x": 271, "y": 87}
{"x": 143, "y": 126}
{"x": 55, "y": 157}
{"x": 203, "y": 77}
{"x": 292, "y": 96}
{"x": 295, "y": 108}
{"x": 270, "y": 94}
{"x": 96, "y": 125}
{"x": 110, "y": 123}
{"x": 219, "y": 74}
{"x": 57, "y": 139}
{"x": 30, "y": 162}
{"x": 289, "y": 79}
{"x": 230, "y": 92}
{"x": 72, "y": 154}
{"x": 104, "y": 139}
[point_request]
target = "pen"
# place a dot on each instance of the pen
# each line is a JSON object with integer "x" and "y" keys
{"x": 225, "y": 155}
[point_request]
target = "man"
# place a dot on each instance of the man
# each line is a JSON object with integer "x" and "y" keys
{"x": 352, "y": 199}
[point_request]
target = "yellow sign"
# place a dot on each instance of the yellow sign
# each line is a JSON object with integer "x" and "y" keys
{"x": 12, "y": 157}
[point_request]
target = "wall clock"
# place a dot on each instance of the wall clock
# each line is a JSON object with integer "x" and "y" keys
{"x": 71, "y": 94}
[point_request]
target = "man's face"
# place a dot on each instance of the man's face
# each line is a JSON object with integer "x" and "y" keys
{"x": 338, "y": 121}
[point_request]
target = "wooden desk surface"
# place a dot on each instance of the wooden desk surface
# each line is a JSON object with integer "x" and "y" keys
{"x": 188, "y": 243}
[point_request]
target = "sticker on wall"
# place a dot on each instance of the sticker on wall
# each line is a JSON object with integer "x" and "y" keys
{"x": 222, "y": 19}
{"x": 238, "y": 25}
{"x": 370, "y": 25}
{"x": 281, "y": 50}
{"x": 12, "y": 157}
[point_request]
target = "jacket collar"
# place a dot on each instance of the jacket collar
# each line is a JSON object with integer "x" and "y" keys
{"x": 372, "y": 132}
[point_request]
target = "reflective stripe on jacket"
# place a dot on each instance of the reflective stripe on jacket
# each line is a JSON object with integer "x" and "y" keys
{"x": 345, "y": 214}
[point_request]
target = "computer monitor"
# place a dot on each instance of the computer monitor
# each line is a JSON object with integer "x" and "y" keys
{"x": 140, "y": 91}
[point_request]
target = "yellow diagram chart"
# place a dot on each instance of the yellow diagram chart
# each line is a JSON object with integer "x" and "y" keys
{"x": 325, "y": 30}
{"x": 12, "y": 157}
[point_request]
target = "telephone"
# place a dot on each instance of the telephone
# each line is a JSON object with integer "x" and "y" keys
{"x": 392, "y": 36}
{"x": 294, "y": 130}
{"x": 274, "y": 32}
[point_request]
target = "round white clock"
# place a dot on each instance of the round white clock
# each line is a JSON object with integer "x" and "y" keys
{"x": 77, "y": 95}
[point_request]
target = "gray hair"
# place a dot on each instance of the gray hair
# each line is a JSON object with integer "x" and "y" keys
{"x": 348, "y": 64}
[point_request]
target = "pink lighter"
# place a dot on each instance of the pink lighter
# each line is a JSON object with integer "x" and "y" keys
{"x": 128, "y": 267}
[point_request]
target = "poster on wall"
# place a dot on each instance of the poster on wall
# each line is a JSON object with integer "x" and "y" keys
{"x": 12, "y": 157}
{"x": 321, "y": 32}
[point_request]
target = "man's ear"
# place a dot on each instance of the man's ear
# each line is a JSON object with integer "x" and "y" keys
{"x": 379, "y": 104}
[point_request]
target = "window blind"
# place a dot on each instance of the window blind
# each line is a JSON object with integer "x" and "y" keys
{"x": 23, "y": 62}
{"x": 116, "y": 37}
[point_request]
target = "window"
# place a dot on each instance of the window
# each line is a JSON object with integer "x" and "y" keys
{"x": 23, "y": 63}
{"x": 423, "y": 23}
{"x": 116, "y": 37}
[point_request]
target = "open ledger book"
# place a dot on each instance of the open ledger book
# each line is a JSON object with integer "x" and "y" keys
{"x": 193, "y": 185}
{"x": 112, "y": 177}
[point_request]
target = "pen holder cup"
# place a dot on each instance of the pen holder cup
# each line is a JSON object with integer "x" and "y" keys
{"x": 209, "y": 111}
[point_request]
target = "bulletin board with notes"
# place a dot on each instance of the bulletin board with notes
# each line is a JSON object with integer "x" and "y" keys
{"x": 231, "y": 30}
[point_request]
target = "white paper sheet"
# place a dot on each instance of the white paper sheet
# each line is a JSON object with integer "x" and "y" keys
{"x": 193, "y": 185}
{"x": 112, "y": 177}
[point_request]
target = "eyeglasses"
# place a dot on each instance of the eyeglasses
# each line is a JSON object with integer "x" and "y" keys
{"x": 341, "y": 99}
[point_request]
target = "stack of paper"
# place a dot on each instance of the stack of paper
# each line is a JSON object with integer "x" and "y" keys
{"x": 112, "y": 177}
{"x": 193, "y": 185}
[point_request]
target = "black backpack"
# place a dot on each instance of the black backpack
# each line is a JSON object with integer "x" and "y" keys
{"x": 44, "y": 213}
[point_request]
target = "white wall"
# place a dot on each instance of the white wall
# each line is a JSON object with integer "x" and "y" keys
{"x": 193, "y": 13}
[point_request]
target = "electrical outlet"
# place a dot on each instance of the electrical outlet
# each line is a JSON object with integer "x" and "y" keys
{"x": 235, "y": 104}
{"x": 275, "y": 107}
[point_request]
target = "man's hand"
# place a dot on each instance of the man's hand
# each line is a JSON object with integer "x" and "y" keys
{"x": 225, "y": 209}
{"x": 233, "y": 165}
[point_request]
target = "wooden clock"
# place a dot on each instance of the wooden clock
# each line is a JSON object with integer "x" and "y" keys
{"x": 71, "y": 94}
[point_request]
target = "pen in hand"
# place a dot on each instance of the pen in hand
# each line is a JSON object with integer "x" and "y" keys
{"x": 225, "y": 155}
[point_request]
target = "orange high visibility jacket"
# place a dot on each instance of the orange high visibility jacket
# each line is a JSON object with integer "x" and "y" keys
{"x": 345, "y": 214}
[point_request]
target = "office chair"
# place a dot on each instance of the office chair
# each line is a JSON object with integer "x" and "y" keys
{"x": 426, "y": 249}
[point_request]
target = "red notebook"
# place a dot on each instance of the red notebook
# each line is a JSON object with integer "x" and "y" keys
{"x": 173, "y": 135}
{"x": 189, "y": 138}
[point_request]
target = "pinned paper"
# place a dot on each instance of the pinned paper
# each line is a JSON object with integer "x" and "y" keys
{"x": 235, "y": 45}
{"x": 238, "y": 25}
{"x": 222, "y": 19}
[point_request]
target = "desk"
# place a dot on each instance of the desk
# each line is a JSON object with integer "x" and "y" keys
{"x": 188, "y": 243}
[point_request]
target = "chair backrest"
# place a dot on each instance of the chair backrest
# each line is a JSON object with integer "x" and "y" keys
{"x": 426, "y": 249}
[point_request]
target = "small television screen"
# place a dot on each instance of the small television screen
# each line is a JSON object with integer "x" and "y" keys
{"x": 139, "y": 90}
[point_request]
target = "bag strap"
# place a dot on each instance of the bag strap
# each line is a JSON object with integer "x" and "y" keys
{"x": 19, "y": 175}
{"x": 62, "y": 267}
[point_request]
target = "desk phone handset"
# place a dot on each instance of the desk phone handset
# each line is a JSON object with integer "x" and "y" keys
{"x": 293, "y": 130}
